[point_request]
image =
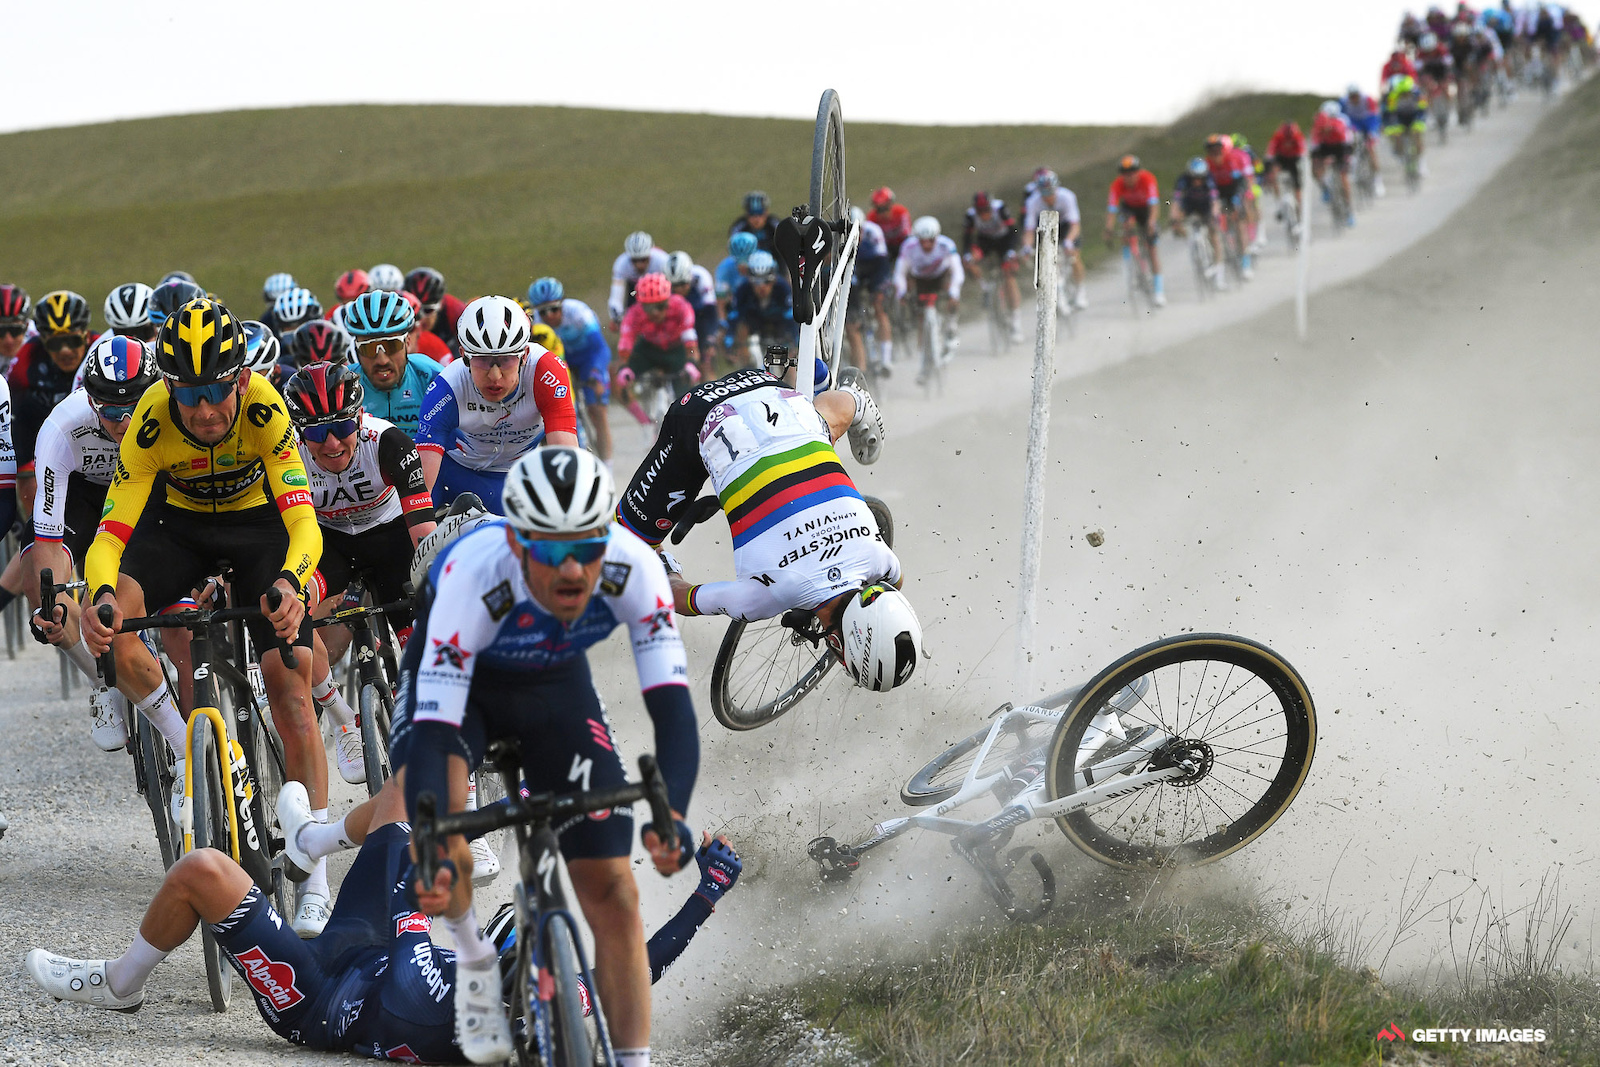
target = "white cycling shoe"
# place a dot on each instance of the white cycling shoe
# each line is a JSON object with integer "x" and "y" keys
{"x": 352, "y": 754}
{"x": 482, "y": 1031}
{"x": 82, "y": 981}
{"x": 485, "y": 863}
{"x": 311, "y": 911}
{"x": 109, "y": 727}
{"x": 866, "y": 429}
{"x": 294, "y": 812}
{"x": 1081, "y": 300}
{"x": 4, "y": 825}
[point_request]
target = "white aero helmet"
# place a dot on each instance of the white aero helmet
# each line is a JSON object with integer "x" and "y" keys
{"x": 494, "y": 326}
{"x": 680, "y": 268}
{"x": 880, "y": 637}
{"x": 128, "y": 306}
{"x": 558, "y": 490}
{"x": 925, "y": 228}
{"x": 638, "y": 244}
{"x": 388, "y": 277}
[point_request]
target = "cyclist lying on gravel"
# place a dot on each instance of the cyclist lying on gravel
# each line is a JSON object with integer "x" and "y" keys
{"x": 802, "y": 535}
{"x": 373, "y": 983}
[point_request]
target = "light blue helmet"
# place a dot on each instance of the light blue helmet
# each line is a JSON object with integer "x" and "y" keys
{"x": 741, "y": 245}
{"x": 762, "y": 265}
{"x": 379, "y": 313}
{"x": 545, "y": 291}
{"x": 1197, "y": 167}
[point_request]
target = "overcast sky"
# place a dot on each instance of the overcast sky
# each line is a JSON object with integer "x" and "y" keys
{"x": 990, "y": 61}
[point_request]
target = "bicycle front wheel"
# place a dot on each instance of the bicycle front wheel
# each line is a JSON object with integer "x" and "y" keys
{"x": 576, "y": 1040}
{"x": 1232, "y": 708}
{"x": 1023, "y": 742}
{"x": 828, "y": 200}
{"x": 763, "y": 669}
{"x": 211, "y": 802}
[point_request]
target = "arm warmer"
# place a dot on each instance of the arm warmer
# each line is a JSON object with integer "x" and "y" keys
{"x": 677, "y": 741}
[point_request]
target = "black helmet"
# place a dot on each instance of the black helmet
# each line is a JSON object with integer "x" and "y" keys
{"x": 319, "y": 341}
{"x": 201, "y": 343}
{"x": 323, "y": 392}
{"x": 169, "y": 297}
{"x": 62, "y": 311}
{"x": 756, "y": 203}
{"x": 118, "y": 370}
{"x": 426, "y": 284}
{"x": 178, "y": 276}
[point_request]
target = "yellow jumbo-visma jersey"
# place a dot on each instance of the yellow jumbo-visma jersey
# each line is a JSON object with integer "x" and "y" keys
{"x": 254, "y": 465}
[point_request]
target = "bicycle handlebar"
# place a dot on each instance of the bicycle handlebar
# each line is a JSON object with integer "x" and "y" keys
{"x": 345, "y": 614}
{"x": 108, "y": 659}
{"x": 285, "y": 648}
{"x": 429, "y": 826}
{"x": 191, "y": 618}
{"x": 694, "y": 515}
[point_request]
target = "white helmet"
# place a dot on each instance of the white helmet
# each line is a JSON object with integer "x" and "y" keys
{"x": 278, "y": 284}
{"x": 638, "y": 244}
{"x": 680, "y": 268}
{"x": 556, "y": 490}
{"x": 494, "y": 326}
{"x": 1331, "y": 108}
{"x": 857, "y": 216}
{"x": 880, "y": 636}
{"x": 128, "y": 306}
{"x": 925, "y": 228}
{"x": 387, "y": 276}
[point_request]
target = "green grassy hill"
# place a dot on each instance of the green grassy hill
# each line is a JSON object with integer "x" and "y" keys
{"x": 491, "y": 196}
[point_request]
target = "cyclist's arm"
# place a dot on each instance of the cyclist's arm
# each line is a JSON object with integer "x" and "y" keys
{"x": 132, "y": 483}
{"x": 436, "y": 428}
{"x": 745, "y": 599}
{"x": 400, "y": 465}
{"x": 956, "y": 276}
{"x": 617, "y": 299}
{"x": 628, "y": 332}
{"x": 902, "y": 267}
{"x": 670, "y": 476}
{"x": 552, "y": 392}
{"x": 54, "y": 463}
{"x": 645, "y": 600}
{"x": 286, "y": 484}
{"x": 8, "y": 463}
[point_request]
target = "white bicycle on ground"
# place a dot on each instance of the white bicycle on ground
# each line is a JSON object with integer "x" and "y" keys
{"x": 1178, "y": 754}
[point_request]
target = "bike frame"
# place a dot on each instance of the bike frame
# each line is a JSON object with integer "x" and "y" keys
{"x": 823, "y": 337}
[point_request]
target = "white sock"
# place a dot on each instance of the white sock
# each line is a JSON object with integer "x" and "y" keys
{"x": 472, "y": 948}
{"x": 318, "y": 882}
{"x": 162, "y": 711}
{"x": 79, "y": 655}
{"x": 321, "y": 840}
{"x": 633, "y": 1057}
{"x": 472, "y": 793}
{"x": 126, "y": 974}
{"x": 331, "y": 702}
{"x": 888, "y": 351}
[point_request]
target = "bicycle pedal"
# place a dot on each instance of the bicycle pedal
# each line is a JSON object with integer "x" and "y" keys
{"x": 838, "y": 863}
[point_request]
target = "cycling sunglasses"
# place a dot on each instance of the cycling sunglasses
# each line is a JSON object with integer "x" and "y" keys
{"x": 190, "y": 395}
{"x": 63, "y": 341}
{"x": 555, "y": 553}
{"x": 319, "y": 433}
{"x": 12, "y": 329}
{"x": 381, "y": 346}
{"x": 114, "y": 412}
{"x": 546, "y": 310}
{"x": 503, "y": 361}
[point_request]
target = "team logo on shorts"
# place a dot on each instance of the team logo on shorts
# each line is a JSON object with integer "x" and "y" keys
{"x": 272, "y": 981}
{"x": 415, "y": 923}
{"x": 401, "y": 1054}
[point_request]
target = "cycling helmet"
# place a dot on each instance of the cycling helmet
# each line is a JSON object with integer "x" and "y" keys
{"x": 982, "y": 203}
{"x": 926, "y": 228}
{"x": 178, "y": 276}
{"x": 680, "y": 268}
{"x": 1352, "y": 90}
{"x": 548, "y": 339}
{"x": 411, "y": 301}
{"x": 558, "y": 491}
{"x": 882, "y": 197}
{"x": 386, "y": 276}
{"x": 494, "y": 326}
{"x": 1128, "y": 164}
{"x": 637, "y": 245}
{"x": 756, "y": 202}
{"x": 62, "y": 311}
{"x": 201, "y": 343}
{"x": 857, "y": 216}
{"x": 278, "y": 284}
{"x": 14, "y": 303}
{"x": 118, "y": 370}
{"x": 1461, "y": 30}
{"x": 760, "y": 265}
{"x": 1427, "y": 42}
{"x": 351, "y": 284}
{"x": 1239, "y": 140}
{"x": 379, "y": 313}
{"x": 1197, "y": 167}
{"x": 741, "y": 245}
{"x": 427, "y": 283}
{"x": 128, "y": 306}
{"x": 545, "y": 291}
{"x": 169, "y": 297}
{"x": 653, "y": 288}
{"x": 323, "y": 392}
{"x": 878, "y": 637}
{"x": 320, "y": 341}
{"x": 1330, "y": 108}
{"x": 262, "y": 350}
{"x": 295, "y": 307}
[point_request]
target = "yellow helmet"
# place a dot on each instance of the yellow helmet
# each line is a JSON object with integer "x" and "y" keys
{"x": 544, "y": 335}
{"x": 201, "y": 343}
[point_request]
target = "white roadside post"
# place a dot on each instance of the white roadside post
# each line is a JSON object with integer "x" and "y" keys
{"x": 1046, "y": 245}
{"x": 1303, "y": 265}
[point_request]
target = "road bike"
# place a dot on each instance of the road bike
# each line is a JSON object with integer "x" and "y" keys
{"x": 1177, "y": 754}
{"x": 549, "y": 1025}
{"x": 1409, "y": 148}
{"x": 656, "y": 390}
{"x": 996, "y": 316}
{"x": 1136, "y": 270}
{"x": 1200, "y": 257}
{"x": 372, "y": 651}
{"x": 933, "y": 347}
{"x": 1365, "y": 182}
{"x": 235, "y": 766}
{"x": 1333, "y": 192}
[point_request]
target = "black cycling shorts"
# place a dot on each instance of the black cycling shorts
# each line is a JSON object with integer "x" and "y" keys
{"x": 85, "y": 499}
{"x": 1142, "y": 215}
{"x": 1339, "y": 153}
{"x": 380, "y": 557}
{"x": 172, "y": 551}
{"x": 648, "y": 357}
{"x": 999, "y": 246}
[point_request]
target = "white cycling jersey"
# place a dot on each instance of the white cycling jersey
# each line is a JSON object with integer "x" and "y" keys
{"x": 485, "y": 435}
{"x": 1065, "y": 202}
{"x": 70, "y": 442}
{"x": 872, "y": 244}
{"x": 916, "y": 262}
{"x": 382, "y": 482}
{"x": 623, "y": 276}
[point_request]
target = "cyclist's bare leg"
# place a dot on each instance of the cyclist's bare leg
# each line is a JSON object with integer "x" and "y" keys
{"x": 880, "y": 306}
{"x": 610, "y": 899}
{"x": 329, "y": 642}
{"x": 289, "y": 694}
{"x": 1077, "y": 266}
{"x": 600, "y": 419}
{"x": 1147, "y": 235}
{"x": 856, "y": 344}
{"x": 838, "y": 408}
{"x": 11, "y": 579}
{"x": 1008, "y": 285}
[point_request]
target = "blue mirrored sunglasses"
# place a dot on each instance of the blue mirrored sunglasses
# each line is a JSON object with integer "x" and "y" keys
{"x": 555, "y": 553}
{"x": 318, "y": 434}
{"x": 191, "y": 395}
{"x": 115, "y": 412}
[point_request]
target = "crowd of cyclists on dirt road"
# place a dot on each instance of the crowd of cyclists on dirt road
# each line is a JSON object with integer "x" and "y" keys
{"x": 316, "y": 446}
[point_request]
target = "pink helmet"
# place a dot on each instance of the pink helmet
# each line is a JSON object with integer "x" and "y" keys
{"x": 653, "y": 288}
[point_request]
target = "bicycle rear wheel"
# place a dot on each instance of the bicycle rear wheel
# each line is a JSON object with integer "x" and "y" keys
{"x": 376, "y": 711}
{"x": 155, "y": 768}
{"x": 211, "y": 801}
{"x": 1231, "y": 707}
{"x": 575, "y": 1038}
{"x": 762, "y": 670}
